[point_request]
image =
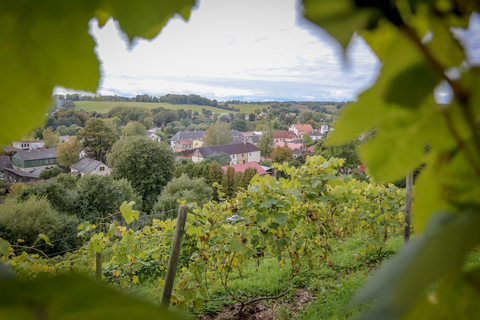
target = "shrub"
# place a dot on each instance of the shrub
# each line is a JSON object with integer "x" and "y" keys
{"x": 26, "y": 220}
{"x": 183, "y": 188}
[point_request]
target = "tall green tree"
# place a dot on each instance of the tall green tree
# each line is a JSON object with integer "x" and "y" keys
{"x": 239, "y": 124}
{"x": 184, "y": 189}
{"x": 68, "y": 152}
{"x": 134, "y": 128}
{"x": 146, "y": 164}
{"x": 50, "y": 138}
{"x": 347, "y": 151}
{"x": 218, "y": 134}
{"x": 228, "y": 182}
{"x": 265, "y": 143}
{"x": 97, "y": 139}
{"x": 282, "y": 154}
{"x": 248, "y": 174}
{"x": 307, "y": 140}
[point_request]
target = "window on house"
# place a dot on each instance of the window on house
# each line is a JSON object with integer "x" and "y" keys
{"x": 34, "y": 162}
{"x": 250, "y": 154}
{"x": 102, "y": 168}
{"x": 51, "y": 160}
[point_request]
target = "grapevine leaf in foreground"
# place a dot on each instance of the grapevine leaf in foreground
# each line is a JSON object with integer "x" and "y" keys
{"x": 47, "y": 44}
{"x": 340, "y": 18}
{"x": 440, "y": 250}
{"x": 71, "y": 297}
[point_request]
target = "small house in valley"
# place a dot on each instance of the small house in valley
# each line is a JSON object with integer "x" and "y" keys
{"x": 242, "y": 152}
{"x": 14, "y": 175}
{"x": 91, "y": 166}
{"x": 28, "y": 160}
{"x": 301, "y": 129}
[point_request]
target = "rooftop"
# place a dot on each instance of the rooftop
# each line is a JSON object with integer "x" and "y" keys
{"x": 233, "y": 148}
{"x": 86, "y": 165}
{"x": 37, "y": 154}
{"x": 241, "y": 167}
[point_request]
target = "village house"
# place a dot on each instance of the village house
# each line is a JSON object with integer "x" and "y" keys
{"x": 241, "y": 167}
{"x": 91, "y": 166}
{"x": 315, "y": 135}
{"x": 324, "y": 128}
{"x": 284, "y": 136}
{"x": 301, "y": 129}
{"x": 14, "y": 175}
{"x": 176, "y": 143}
{"x": 5, "y": 163}
{"x": 28, "y": 160}
{"x": 152, "y": 135}
{"x": 242, "y": 152}
{"x": 28, "y": 145}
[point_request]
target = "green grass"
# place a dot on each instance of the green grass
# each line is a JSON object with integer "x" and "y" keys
{"x": 104, "y": 107}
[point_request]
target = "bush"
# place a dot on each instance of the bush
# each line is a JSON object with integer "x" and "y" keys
{"x": 100, "y": 195}
{"x": 26, "y": 220}
{"x": 50, "y": 173}
{"x": 183, "y": 188}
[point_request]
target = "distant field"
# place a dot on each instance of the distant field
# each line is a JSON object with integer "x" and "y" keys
{"x": 104, "y": 107}
{"x": 248, "y": 108}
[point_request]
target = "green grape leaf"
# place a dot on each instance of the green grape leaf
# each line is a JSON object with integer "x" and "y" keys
{"x": 46, "y": 298}
{"x": 340, "y": 18}
{"x": 4, "y": 245}
{"x": 127, "y": 212}
{"x": 454, "y": 296}
{"x": 47, "y": 44}
{"x": 440, "y": 250}
{"x": 45, "y": 238}
{"x": 145, "y": 20}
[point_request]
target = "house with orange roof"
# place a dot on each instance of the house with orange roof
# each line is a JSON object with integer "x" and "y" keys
{"x": 301, "y": 129}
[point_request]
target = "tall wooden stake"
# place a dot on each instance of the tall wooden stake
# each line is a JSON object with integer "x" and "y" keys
{"x": 408, "y": 207}
{"x": 174, "y": 255}
{"x": 98, "y": 267}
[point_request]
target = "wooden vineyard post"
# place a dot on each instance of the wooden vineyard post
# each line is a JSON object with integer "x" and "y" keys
{"x": 98, "y": 267}
{"x": 174, "y": 255}
{"x": 408, "y": 207}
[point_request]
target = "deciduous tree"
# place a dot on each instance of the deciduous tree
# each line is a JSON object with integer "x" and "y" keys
{"x": 218, "y": 134}
{"x": 68, "y": 152}
{"x": 148, "y": 166}
{"x": 97, "y": 139}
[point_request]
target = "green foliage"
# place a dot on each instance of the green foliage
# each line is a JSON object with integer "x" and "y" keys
{"x": 347, "y": 151}
{"x": 307, "y": 140}
{"x": 68, "y": 152}
{"x": 228, "y": 182}
{"x": 46, "y": 296}
{"x": 50, "y": 173}
{"x": 97, "y": 138}
{"x": 239, "y": 124}
{"x": 221, "y": 158}
{"x": 218, "y": 134}
{"x": 90, "y": 205}
{"x": 186, "y": 189}
{"x": 282, "y": 154}
{"x": 266, "y": 141}
{"x": 134, "y": 128}
{"x": 50, "y": 138}
{"x": 146, "y": 164}
{"x": 401, "y": 108}
{"x": 25, "y": 221}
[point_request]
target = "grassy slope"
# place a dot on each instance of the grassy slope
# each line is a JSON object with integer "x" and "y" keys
{"x": 104, "y": 107}
{"x": 329, "y": 289}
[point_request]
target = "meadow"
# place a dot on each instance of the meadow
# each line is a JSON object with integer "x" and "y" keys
{"x": 104, "y": 107}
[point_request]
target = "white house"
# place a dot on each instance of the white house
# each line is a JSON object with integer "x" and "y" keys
{"x": 241, "y": 152}
{"x": 315, "y": 135}
{"x": 324, "y": 128}
{"x": 152, "y": 135}
{"x": 28, "y": 145}
{"x": 92, "y": 166}
{"x": 300, "y": 129}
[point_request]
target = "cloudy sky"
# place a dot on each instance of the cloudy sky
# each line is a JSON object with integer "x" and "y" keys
{"x": 235, "y": 49}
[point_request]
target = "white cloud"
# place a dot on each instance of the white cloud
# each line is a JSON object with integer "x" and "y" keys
{"x": 234, "y": 49}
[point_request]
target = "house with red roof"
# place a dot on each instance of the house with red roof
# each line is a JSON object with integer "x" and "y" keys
{"x": 284, "y": 136}
{"x": 241, "y": 167}
{"x": 301, "y": 129}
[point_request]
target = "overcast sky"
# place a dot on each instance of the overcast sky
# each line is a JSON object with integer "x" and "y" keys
{"x": 235, "y": 49}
